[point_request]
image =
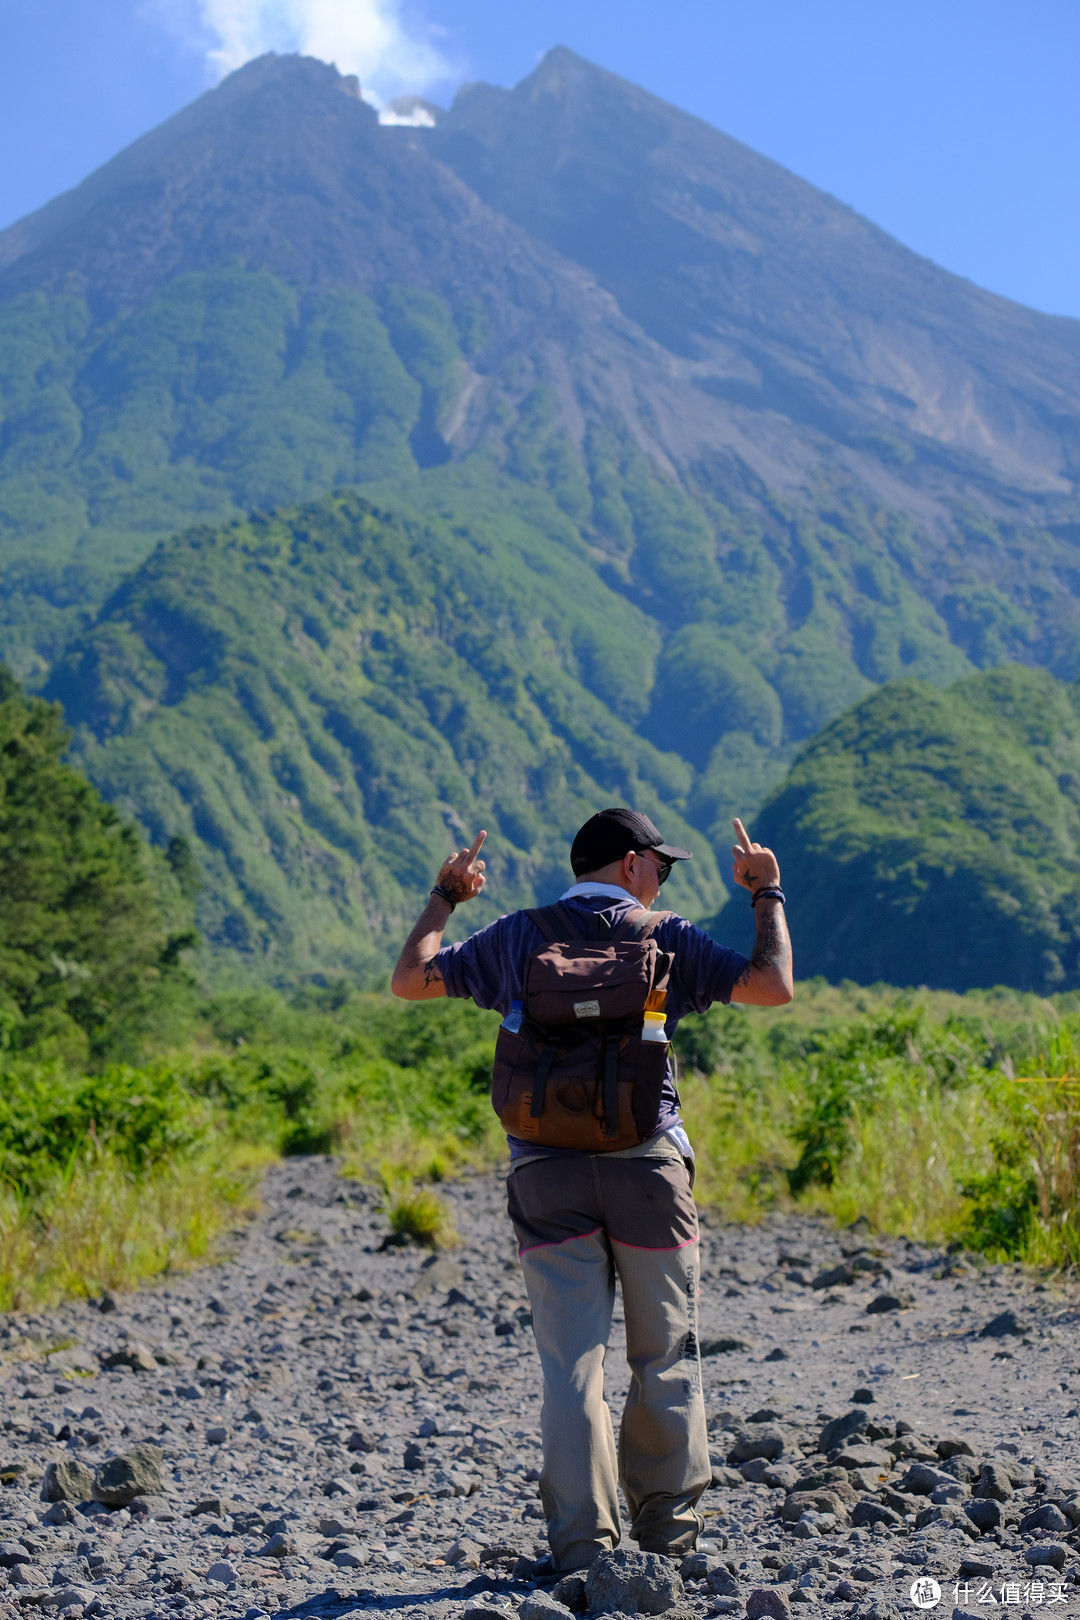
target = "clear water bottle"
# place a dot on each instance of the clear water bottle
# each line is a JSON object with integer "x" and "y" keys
{"x": 512, "y": 1021}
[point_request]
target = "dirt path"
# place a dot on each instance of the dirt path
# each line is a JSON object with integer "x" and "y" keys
{"x": 333, "y": 1418}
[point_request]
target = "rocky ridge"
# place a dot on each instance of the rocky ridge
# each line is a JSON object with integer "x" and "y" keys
{"x": 326, "y": 1424}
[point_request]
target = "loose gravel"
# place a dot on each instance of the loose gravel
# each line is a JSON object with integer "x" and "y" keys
{"x": 327, "y": 1423}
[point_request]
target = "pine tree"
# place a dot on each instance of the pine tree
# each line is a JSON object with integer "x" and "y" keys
{"x": 86, "y": 946}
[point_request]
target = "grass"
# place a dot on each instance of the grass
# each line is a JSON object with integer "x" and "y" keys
{"x": 418, "y": 1215}
{"x": 910, "y": 1109}
{"x": 111, "y": 1178}
{"x": 102, "y": 1227}
{"x": 916, "y": 1111}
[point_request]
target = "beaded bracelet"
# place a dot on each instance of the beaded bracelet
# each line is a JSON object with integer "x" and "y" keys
{"x": 771, "y": 891}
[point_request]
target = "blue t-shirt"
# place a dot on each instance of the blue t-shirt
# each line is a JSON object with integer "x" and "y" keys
{"x": 489, "y": 968}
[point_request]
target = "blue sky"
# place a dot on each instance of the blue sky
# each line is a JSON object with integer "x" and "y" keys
{"x": 954, "y": 124}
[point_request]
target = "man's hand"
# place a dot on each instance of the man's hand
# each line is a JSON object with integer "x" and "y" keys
{"x": 416, "y": 977}
{"x": 462, "y": 876}
{"x": 754, "y": 865}
{"x": 766, "y": 980}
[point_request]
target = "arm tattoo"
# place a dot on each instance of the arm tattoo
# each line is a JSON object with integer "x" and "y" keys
{"x": 412, "y": 959}
{"x": 770, "y": 945}
{"x": 418, "y": 951}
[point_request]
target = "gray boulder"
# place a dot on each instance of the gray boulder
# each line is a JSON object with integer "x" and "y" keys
{"x": 953, "y": 1446}
{"x": 60, "y": 1513}
{"x": 67, "y": 1597}
{"x": 67, "y": 1480}
{"x": 985, "y": 1513}
{"x": 842, "y": 1429}
{"x": 825, "y": 1500}
{"x": 223, "y": 1572}
{"x": 868, "y": 1512}
{"x": 813, "y": 1524}
{"x": 463, "y": 1554}
{"x": 542, "y": 1606}
{"x": 910, "y": 1448}
{"x": 696, "y": 1565}
{"x": 1003, "y": 1326}
{"x": 921, "y": 1479}
{"x": 76, "y": 1359}
{"x": 760, "y": 1471}
{"x": 160, "y": 1508}
{"x": 570, "y": 1592}
{"x": 962, "y": 1468}
{"x": 625, "y": 1582}
{"x": 768, "y": 1603}
{"x": 835, "y": 1277}
{"x": 279, "y": 1546}
{"x": 757, "y": 1440}
{"x": 720, "y": 1582}
{"x": 1048, "y": 1517}
{"x": 438, "y": 1274}
{"x": 948, "y": 1515}
{"x": 1047, "y": 1552}
{"x": 139, "y": 1357}
{"x": 134, "y": 1473}
{"x": 993, "y": 1482}
{"x": 362, "y": 1440}
{"x": 855, "y": 1454}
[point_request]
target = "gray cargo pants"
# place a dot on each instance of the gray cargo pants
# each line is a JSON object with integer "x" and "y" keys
{"x": 579, "y": 1221}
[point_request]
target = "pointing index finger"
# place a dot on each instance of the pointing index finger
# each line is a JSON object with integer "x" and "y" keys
{"x": 742, "y": 835}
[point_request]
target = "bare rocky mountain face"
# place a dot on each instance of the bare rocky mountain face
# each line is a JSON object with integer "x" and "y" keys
{"x": 774, "y": 297}
{"x": 748, "y": 331}
{"x": 799, "y": 321}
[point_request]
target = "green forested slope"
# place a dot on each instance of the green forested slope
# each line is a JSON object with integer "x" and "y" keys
{"x": 93, "y": 924}
{"x": 327, "y": 701}
{"x": 220, "y": 395}
{"x": 933, "y": 837}
{"x": 694, "y": 486}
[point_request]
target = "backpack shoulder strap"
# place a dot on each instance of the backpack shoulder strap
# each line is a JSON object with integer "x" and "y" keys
{"x": 555, "y": 923}
{"x": 640, "y": 925}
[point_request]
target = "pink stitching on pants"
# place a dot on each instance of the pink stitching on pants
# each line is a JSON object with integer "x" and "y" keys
{"x": 662, "y": 1248}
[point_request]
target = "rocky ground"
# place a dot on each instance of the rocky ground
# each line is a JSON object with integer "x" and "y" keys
{"x": 322, "y": 1425}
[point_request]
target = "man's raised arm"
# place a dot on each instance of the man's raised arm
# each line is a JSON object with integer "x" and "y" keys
{"x": 416, "y": 978}
{"x": 767, "y": 980}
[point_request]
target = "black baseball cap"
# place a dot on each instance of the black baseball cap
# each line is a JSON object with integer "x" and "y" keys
{"x": 611, "y": 834}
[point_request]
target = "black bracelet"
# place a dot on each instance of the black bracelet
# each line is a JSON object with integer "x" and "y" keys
{"x": 771, "y": 891}
{"x": 444, "y": 894}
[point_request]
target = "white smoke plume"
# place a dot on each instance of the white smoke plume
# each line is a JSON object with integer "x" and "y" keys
{"x": 365, "y": 37}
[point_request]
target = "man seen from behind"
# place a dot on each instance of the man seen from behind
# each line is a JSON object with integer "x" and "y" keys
{"x": 601, "y": 1168}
